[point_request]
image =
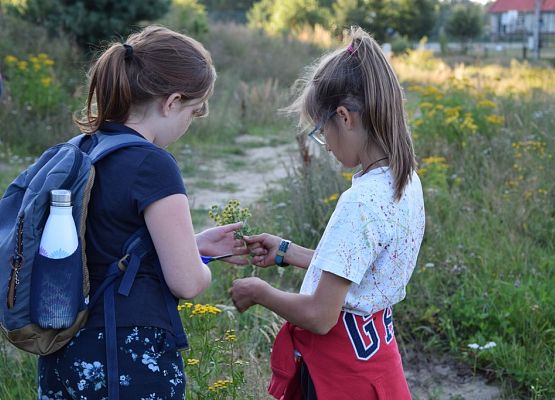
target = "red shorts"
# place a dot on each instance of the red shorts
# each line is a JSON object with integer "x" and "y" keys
{"x": 357, "y": 359}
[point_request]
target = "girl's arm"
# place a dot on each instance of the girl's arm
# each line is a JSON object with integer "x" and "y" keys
{"x": 264, "y": 247}
{"x": 169, "y": 223}
{"x": 317, "y": 313}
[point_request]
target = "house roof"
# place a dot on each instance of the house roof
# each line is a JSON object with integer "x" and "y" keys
{"x": 501, "y": 6}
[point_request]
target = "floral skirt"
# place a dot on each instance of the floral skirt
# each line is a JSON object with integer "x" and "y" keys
{"x": 149, "y": 367}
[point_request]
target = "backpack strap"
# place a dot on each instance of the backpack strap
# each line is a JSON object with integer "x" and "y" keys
{"x": 99, "y": 145}
{"x": 124, "y": 271}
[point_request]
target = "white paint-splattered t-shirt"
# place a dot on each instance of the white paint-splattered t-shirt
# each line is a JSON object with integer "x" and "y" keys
{"x": 371, "y": 240}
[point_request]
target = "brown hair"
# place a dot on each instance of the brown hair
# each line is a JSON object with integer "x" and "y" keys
{"x": 158, "y": 63}
{"x": 360, "y": 78}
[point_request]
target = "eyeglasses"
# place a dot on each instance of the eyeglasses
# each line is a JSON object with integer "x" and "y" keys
{"x": 317, "y": 134}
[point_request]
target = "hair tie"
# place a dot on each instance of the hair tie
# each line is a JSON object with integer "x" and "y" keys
{"x": 351, "y": 49}
{"x": 128, "y": 51}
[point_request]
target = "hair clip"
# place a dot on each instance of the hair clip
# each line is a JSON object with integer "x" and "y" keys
{"x": 351, "y": 49}
{"x": 128, "y": 51}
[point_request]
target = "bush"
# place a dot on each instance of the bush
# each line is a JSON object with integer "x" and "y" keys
{"x": 400, "y": 44}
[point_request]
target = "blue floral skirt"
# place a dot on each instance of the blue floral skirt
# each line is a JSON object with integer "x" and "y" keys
{"x": 149, "y": 367}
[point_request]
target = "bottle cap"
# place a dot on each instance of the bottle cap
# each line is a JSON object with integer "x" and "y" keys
{"x": 60, "y": 198}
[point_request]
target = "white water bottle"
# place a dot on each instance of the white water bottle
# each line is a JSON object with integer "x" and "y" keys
{"x": 59, "y": 238}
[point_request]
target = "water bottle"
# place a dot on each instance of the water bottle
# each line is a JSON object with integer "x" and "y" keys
{"x": 59, "y": 238}
{"x": 57, "y": 278}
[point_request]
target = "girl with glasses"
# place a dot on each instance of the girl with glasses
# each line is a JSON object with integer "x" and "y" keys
{"x": 339, "y": 342}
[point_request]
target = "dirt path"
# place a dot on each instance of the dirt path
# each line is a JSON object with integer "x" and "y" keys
{"x": 428, "y": 377}
{"x": 259, "y": 168}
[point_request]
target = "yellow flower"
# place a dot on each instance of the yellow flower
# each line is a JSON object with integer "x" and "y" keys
{"x": 495, "y": 119}
{"x": 43, "y": 56}
{"x": 9, "y": 59}
{"x": 348, "y": 176}
{"x": 49, "y": 62}
{"x": 486, "y": 104}
{"x": 230, "y": 336}
{"x": 468, "y": 123}
{"x": 426, "y": 105}
{"x": 201, "y": 309}
{"x": 435, "y": 160}
{"x": 46, "y": 81}
{"x": 331, "y": 198}
{"x": 22, "y": 65}
{"x": 193, "y": 361}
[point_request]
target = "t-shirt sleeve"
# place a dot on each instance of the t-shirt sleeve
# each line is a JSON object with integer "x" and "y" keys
{"x": 157, "y": 176}
{"x": 351, "y": 242}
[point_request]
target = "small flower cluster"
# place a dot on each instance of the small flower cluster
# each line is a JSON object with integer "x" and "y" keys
{"x": 220, "y": 384}
{"x": 193, "y": 361}
{"x": 476, "y": 346}
{"x": 32, "y": 81}
{"x": 455, "y": 110}
{"x": 184, "y": 306}
{"x": 231, "y": 213}
{"x": 230, "y": 335}
{"x": 202, "y": 309}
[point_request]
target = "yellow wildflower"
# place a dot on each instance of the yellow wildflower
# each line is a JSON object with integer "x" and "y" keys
{"x": 193, "y": 361}
{"x": 49, "y": 62}
{"x": 485, "y": 103}
{"x": 331, "y": 198}
{"x": 230, "y": 336}
{"x": 9, "y": 59}
{"x": 22, "y": 65}
{"x": 46, "y": 81}
{"x": 426, "y": 105}
{"x": 348, "y": 176}
{"x": 495, "y": 119}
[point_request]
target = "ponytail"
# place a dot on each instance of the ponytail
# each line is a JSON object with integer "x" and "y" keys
{"x": 360, "y": 77}
{"x": 155, "y": 62}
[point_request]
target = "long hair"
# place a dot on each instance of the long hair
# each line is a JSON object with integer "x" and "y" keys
{"x": 160, "y": 62}
{"x": 361, "y": 78}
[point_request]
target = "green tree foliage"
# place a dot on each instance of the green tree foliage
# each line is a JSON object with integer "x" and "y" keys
{"x": 465, "y": 22}
{"x": 415, "y": 18}
{"x": 91, "y": 21}
{"x": 382, "y": 18}
{"x": 188, "y": 16}
{"x": 372, "y": 15}
{"x": 277, "y": 17}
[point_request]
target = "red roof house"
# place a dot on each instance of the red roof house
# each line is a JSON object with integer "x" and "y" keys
{"x": 517, "y": 17}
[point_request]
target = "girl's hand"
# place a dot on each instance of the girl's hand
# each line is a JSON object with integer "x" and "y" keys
{"x": 221, "y": 240}
{"x": 245, "y": 292}
{"x": 263, "y": 248}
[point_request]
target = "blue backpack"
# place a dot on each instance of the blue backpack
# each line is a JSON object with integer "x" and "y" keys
{"x": 24, "y": 209}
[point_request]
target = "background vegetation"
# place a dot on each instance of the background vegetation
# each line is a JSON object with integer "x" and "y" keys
{"x": 484, "y": 138}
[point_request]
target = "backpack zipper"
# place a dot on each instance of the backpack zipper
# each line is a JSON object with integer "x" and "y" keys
{"x": 17, "y": 263}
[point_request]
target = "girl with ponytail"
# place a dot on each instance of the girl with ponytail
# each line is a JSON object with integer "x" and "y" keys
{"x": 152, "y": 86}
{"x": 338, "y": 342}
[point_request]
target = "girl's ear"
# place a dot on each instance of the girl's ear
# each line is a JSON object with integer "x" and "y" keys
{"x": 172, "y": 101}
{"x": 345, "y": 116}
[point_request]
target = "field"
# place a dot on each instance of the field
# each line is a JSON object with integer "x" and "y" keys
{"x": 483, "y": 291}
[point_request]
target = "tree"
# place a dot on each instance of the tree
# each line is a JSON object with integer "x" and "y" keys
{"x": 415, "y": 18}
{"x": 372, "y": 15}
{"x": 465, "y": 23}
{"x": 282, "y": 16}
{"x": 91, "y": 21}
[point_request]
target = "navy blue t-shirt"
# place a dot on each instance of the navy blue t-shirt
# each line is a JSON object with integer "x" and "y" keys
{"x": 126, "y": 182}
